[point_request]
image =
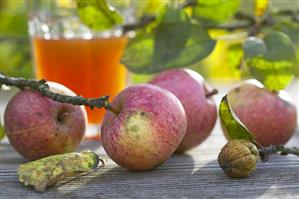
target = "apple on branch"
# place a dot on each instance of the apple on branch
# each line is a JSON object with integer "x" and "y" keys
{"x": 38, "y": 126}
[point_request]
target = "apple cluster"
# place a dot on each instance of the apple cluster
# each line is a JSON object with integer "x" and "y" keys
{"x": 173, "y": 112}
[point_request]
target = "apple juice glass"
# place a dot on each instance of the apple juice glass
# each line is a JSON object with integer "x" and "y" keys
{"x": 67, "y": 52}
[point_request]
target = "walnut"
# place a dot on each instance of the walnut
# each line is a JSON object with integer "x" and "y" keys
{"x": 238, "y": 158}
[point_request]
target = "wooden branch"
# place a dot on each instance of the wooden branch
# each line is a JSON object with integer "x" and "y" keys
{"x": 42, "y": 87}
{"x": 147, "y": 19}
{"x": 265, "y": 152}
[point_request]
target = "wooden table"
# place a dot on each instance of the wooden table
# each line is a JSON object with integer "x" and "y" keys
{"x": 193, "y": 175}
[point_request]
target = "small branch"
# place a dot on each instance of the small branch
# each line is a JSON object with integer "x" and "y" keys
{"x": 293, "y": 13}
{"x": 14, "y": 39}
{"x": 265, "y": 152}
{"x": 252, "y": 25}
{"x": 190, "y": 3}
{"x": 232, "y": 27}
{"x": 143, "y": 22}
{"x": 244, "y": 16}
{"x": 147, "y": 19}
{"x": 42, "y": 87}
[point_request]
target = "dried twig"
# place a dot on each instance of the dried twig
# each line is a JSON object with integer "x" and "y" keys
{"x": 43, "y": 88}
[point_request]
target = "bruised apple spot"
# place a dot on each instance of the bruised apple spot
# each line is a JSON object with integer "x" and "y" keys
{"x": 137, "y": 128}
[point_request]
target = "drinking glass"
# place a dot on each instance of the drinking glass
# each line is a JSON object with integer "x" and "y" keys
{"x": 68, "y": 52}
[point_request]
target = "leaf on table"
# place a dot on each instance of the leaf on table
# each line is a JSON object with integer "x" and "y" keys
{"x": 271, "y": 60}
{"x": 215, "y": 12}
{"x": 48, "y": 171}
{"x": 176, "y": 42}
{"x": 235, "y": 129}
{"x": 98, "y": 15}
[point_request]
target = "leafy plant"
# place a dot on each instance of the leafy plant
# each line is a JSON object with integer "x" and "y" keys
{"x": 271, "y": 60}
{"x": 178, "y": 35}
{"x": 205, "y": 11}
{"x": 175, "y": 42}
{"x": 97, "y": 14}
{"x": 14, "y": 40}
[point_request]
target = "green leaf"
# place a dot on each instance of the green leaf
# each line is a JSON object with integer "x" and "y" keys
{"x": 289, "y": 28}
{"x": 176, "y": 42}
{"x": 233, "y": 126}
{"x": 97, "y": 14}
{"x": 48, "y": 171}
{"x": 271, "y": 60}
{"x": 234, "y": 58}
{"x": 215, "y": 12}
{"x": 2, "y": 134}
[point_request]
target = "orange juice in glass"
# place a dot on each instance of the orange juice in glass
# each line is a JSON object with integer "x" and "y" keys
{"x": 67, "y": 52}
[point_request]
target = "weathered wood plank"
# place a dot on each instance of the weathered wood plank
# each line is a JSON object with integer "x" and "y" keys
{"x": 193, "y": 175}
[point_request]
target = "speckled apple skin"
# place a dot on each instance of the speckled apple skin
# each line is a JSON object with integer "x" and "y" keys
{"x": 271, "y": 117}
{"x": 190, "y": 88}
{"x": 32, "y": 127}
{"x": 149, "y": 127}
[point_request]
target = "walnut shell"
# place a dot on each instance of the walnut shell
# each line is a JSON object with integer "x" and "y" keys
{"x": 238, "y": 158}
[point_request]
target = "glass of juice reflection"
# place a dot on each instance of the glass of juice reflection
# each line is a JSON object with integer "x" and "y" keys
{"x": 67, "y": 52}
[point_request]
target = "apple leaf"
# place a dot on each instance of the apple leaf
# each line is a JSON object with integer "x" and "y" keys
{"x": 97, "y": 14}
{"x": 2, "y": 134}
{"x": 214, "y": 12}
{"x": 48, "y": 171}
{"x": 175, "y": 42}
{"x": 271, "y": 60}
{"x": 289, "y": 28}
{"x": 233, "y": 126}
{"x": 234, "y": 58}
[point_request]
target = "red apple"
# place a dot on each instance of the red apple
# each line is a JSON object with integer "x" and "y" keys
{"x": 37, "y": 126}
{"x": 148, "y": 127}
{"x": 190, "y": 88}
{"x": 270, "y": 116}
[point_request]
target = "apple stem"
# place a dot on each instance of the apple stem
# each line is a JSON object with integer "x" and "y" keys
{"x": 111, "y": 109}
{"x": 61, "y": 117}
{"x": 265, "y": 152}
{"x": 211, "y": 93}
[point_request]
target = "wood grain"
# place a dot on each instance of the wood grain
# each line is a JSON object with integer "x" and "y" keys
{"x": 195, "y": 174}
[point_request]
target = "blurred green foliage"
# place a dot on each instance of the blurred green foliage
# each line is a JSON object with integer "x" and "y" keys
{"x": 268, "y": 63}
{"x": 215, "y": 12}
{"x": 224, "y": 62}
{"x": 14, "y": 40}
{"x": 173, "y": 43}
{"x": 97, "y": 15}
